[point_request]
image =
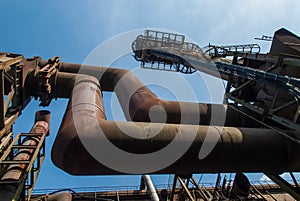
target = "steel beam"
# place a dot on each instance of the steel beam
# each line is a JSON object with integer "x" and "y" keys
{"x": 287, "y": 187}
{"x": 173, "y": 188}
{"x": 2, "y": 117}
{"x": 202, "y": 193}
{"x": 184, "y": 186}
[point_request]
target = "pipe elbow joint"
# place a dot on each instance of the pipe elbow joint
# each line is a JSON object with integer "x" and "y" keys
{"x": 143, "y": 107}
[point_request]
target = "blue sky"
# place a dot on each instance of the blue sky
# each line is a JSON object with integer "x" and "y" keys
{"x": 72, "y": 29}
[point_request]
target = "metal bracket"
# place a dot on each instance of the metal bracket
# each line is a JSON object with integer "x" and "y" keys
{"x": 10, "y": 78}
{"x": 46, "y": 79}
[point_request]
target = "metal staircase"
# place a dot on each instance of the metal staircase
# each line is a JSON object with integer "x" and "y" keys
{"x": 231, "y": 50}
{"x": 21, "y": 163}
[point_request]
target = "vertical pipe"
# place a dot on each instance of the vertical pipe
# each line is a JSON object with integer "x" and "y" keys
{"x": 150, "y": 187}
{"x": 118, "y": 197}
{"x": 15, "y": 172}
{"x": 43, "y": 115}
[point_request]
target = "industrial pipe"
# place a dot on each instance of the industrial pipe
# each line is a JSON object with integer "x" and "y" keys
{"x": 15, "y": 172}
{"x": 139, "y": 103}
{"x": 150, "y": 187}
{"x": 236, "y": 150}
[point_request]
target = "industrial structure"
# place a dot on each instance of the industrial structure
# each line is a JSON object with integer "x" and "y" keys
{"x": 258, "y": 125}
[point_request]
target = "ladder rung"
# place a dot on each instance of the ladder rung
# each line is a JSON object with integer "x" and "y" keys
{"x": 24, "y": 146}
{"x": 8, "y": 182}
{"x": 31, "y": 134}
{"x": 15, "y": 162}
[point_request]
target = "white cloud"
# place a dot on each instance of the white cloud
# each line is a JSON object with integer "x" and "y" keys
{"x": 216, "y": 21}
{"x": 264, "y": 178}
{"x": 286, "y": 176}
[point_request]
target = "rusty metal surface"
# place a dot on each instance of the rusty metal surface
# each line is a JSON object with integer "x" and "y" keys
{"x": 41, "y": 126}
{"x": 234, "y": 151}
{"x": 239, "y": 148}
{"x": 22, "y": 165}
{"x": 44, "y": 116}
{"x": 285, "y": 42}
{"x": 136, "y": 99}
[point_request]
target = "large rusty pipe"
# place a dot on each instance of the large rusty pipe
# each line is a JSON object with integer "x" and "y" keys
{"x": 16, "y": 171}
{"x": 139, "y": 103}
{"x": 237, "y": 150}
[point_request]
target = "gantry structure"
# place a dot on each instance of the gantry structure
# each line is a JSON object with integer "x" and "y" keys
{"x": 258, "y": 124}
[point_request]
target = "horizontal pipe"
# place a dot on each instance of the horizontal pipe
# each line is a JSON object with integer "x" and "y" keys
{"x": 62, "y": 88}
{"x": 236, "y": 150}
{"x": 139, "y": 103}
